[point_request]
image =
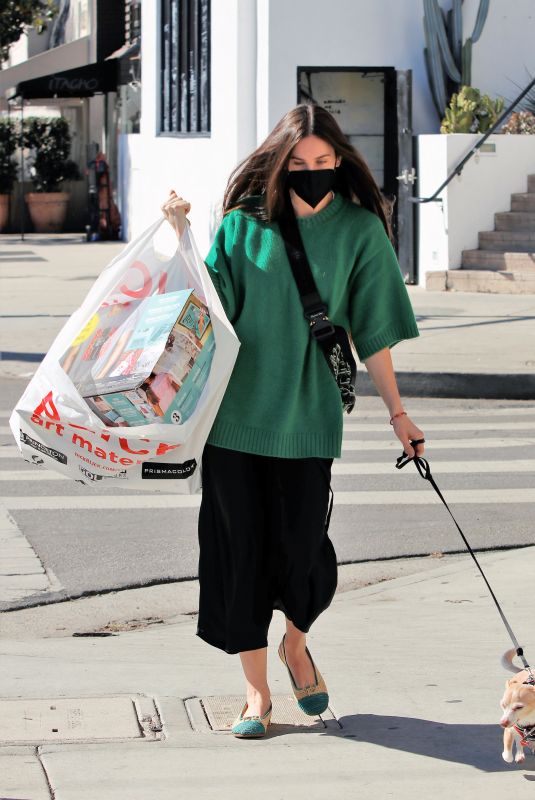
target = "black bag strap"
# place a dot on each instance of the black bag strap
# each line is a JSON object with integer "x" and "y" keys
{"x": 332, "y": 340}
{"x": 314, "y": 308}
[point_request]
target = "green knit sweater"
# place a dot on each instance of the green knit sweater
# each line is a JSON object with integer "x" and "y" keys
{"x": 282, "y": 400}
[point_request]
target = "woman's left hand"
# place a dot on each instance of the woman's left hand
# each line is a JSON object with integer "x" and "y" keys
{"x": 405, "y": 430}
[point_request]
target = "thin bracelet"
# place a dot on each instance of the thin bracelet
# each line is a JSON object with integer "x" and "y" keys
{"x": 400, "y": 414}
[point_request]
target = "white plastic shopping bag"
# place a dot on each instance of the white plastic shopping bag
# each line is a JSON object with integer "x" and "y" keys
{"x": 132, "y": 383}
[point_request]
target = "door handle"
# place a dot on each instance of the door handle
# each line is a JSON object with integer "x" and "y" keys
{"x": 407, "y": 177}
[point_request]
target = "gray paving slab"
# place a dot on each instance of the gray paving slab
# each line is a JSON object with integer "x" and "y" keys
{"x": 269, "y": 770}
{"x": 22, "y": 777}
{"x": 20, "y": 566}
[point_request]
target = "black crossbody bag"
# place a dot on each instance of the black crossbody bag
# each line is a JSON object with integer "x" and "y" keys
{"x": 332, "y": 339}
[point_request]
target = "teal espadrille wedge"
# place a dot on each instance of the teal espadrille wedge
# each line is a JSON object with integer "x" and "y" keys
{"x": 253, "y": 727}
{"x": 312, "y": 699}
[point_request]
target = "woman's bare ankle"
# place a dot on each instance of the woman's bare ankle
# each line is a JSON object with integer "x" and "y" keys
{"x": 258, "y": 700}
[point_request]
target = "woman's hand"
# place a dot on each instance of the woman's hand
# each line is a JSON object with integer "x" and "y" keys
{"x": 175, "y": 210}
{"x": 405, "y": 430}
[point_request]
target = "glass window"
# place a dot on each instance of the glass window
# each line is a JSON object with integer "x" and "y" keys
{"x": 185, "y": 67}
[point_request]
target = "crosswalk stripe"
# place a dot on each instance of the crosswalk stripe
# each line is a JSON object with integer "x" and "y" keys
{"x": 361, "y": 427}
{"x": 417, "y": 497}
{"x": 9, "y": 451}
{"x": 110, "y": 502}
{"x": 370, "y": 427}
{"x": 438, "y": 467}
{"x": 338, "y": 468}
{"x": 444, "y": 411}
{"x": 426, "y": 497}
{"x": 476, "y": 443}
{"x": 32, "y": 475}
{"x": 416, "y": 413}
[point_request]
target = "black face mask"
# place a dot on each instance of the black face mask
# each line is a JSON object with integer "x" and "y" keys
{"x": 311, "y": 185}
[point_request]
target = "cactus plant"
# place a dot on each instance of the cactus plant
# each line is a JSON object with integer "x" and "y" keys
{"x": 449, "y": 60}
{"x": 471, "y": 112}
{"x": 488, "y": 112}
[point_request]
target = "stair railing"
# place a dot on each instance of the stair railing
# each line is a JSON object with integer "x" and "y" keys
{"x": 434, "y": 198}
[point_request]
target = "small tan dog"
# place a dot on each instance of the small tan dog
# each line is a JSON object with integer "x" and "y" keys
{"x": 518, "y": 704}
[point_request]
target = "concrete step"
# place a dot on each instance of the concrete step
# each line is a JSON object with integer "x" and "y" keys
{"x": 523, "y": 202}
{"x": 508, "y": 241}
{"x": 467, "y": 280}
{"x": 493, "y": 260}
{"x": 531, "y": 183}
{"x": 515, "y": 221}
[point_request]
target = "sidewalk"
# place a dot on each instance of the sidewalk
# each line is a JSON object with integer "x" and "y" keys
{"x": 413, "y": 670}
{"x": 471, "y": 345}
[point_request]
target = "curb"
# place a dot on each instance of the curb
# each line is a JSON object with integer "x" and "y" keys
{"x": 453, "y": 385}
{"x": 515, "y": 386}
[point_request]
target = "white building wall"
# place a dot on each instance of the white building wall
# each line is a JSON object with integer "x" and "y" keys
{"x": 358, "y": 33}
{"x": 196, "y": 167}
{"x": 504, "y": 58}
{"x": 30, "y": 44}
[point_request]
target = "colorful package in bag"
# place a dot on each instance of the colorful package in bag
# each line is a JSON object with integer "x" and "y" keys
{"x": 152, "y": 367}
{"x": 132, "y": 383}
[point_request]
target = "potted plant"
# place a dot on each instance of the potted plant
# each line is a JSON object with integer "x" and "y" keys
{"x": 8, "y": 168}
{"x": 471, "y": 112}
{"x": 520, "y": 122}
{"x": 50, "y": 142}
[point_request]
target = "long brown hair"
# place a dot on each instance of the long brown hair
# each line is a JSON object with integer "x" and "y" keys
{"x": 263, "y": 172}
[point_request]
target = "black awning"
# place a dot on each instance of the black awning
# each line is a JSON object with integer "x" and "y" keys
{"x": 85, "y": 81}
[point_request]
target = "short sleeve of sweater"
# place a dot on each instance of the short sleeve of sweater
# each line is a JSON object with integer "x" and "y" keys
{"x": 380, "y": 310}
{"x": 218, "y": 262}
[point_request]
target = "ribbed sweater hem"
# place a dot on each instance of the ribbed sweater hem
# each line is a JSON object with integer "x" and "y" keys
{"x": 387, "y": 338}
{"x": 273, "y": 443}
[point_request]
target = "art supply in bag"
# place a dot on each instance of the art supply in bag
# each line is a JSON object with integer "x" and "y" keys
{"x": 151, "y": 367}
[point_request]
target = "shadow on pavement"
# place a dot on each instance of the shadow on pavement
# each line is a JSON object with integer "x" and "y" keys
{"x": 479, "y": 746}
{"x": 484, "y": 321}
{"x": 8, "y": 356}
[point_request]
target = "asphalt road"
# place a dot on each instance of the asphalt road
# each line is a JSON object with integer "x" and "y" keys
{"x": 481, "y": 454}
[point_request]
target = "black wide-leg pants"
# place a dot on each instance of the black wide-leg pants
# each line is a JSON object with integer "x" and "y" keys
{"x": 263, "y": 545}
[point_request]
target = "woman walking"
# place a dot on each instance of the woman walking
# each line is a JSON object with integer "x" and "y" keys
{"x": 264, "y": 516}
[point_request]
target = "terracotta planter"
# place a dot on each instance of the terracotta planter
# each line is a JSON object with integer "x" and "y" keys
{"x": 47, "y": 210}
{"x": 4, "y": 210}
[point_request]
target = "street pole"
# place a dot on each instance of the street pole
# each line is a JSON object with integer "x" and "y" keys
{"x": 22, "y": 169}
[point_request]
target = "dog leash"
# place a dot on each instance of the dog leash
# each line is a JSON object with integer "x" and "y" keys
{"x": 422, "y": 465}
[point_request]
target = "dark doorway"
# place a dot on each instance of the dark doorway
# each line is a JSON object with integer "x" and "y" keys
{"x": 373, "y": 107}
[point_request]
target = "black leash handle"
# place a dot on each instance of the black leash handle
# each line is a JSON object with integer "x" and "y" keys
{"x": 422, "y": 465}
